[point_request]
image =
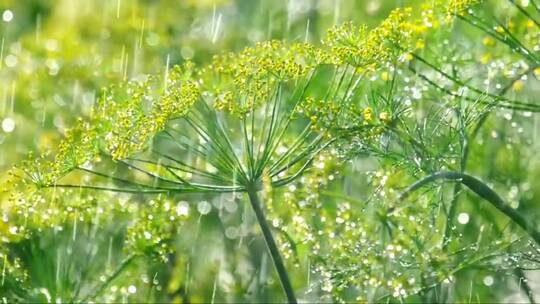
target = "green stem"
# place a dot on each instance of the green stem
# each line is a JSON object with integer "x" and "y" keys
{"x": 482, "y": 190}
{"x": 522, "y": 281}
{"x": 272, "y": 246}
{"x": 450, "y": 216}
{"x": 465, "y": 156}
{"x": 125, "y": 263}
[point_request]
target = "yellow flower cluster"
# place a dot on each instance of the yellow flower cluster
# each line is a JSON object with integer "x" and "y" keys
{"x": 239, "y": 82}
{"x": 370, "y": 49}
{"x": 78, "y": 146}
{"x": 401, "y": 32}
{"x": 27, "y": 209}
{"x": 323, "y": 113}
{"x": 131, "y": 114}
{"x": 125, "y": 118}
{"x": 128, "y": 116}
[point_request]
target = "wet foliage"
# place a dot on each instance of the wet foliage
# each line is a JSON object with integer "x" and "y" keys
{"x": 269, "y": 151}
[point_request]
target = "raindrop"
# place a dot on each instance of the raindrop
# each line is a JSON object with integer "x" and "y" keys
{"x": 45, "y": 292}
{"x": 187, "y": 52}
{"x": 214, "y": 290}
{"x": 416, "y": 93}
{"x": 231, "y": 232}
{"x": 11, "y": 61}
{"x": 8, "y": 125}
{"x": 216, "y": 26}
{"x": 488, "y": 280}
{"x": 463, "y": 218}
{"x": 373, "y": 7}
{"x": 118, "y": 4}
{"x": 153, "y": 39}
{"x": 230, "y": 206}
{"x": 7, "y": 16}
{"x": 182, "y": 209}
{"x": 204, "y": 207}
{"x": 132, "y": 289}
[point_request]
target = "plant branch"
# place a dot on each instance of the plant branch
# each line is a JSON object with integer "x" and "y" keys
{"x": 125, "y": 263}
{"x": 482, "y": 190}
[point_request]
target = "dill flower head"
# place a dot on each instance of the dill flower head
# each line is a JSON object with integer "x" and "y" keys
{"x": 240, "y": 82}
{"x": 364, "y": 49}
{"x": 123, "y": 121}
{"x": 78, "y": 146}
{"x": 129, "y": 115}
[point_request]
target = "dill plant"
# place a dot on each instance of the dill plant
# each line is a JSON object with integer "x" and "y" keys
{"x": 430, "y": 142}
{"x": 243, "y": 82}
{"x": 257, "y": 121}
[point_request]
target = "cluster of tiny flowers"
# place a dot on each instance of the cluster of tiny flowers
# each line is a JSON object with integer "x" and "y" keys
{"x": 124, "y": 120}
{"x": 240, "y": 82}
{"x": 368, "y": 50}
{"x": 26, "y": 210}
{"x": 355, "y": 252}
{"x": 154, "y": 227}
{"x": 302, "y": 198}
{"x": 334, "y": 118}
{"x": 128, "y": 116}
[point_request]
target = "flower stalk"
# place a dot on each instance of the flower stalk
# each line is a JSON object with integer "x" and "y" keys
{"x": 272, "y": 245}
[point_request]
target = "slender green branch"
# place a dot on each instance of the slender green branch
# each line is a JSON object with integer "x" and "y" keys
{"x": 522, "y": 281}
{"x": 99, "y": 289}
{"x": 482, "y": 190}
{"x": 152, "y": 175}
{"x": 524, "y": 12}
{"x": 503, "y": 91}
{"x": 150, "y": 190}
{"x": 463, "y": 167}
{"x": 465, "y": 156}
{"x": 182, "y": 183}
{"x": 121, "y": 190}
{"x": 271, "y": 131}
{"x": 216, "y": 131}
{"x": 312, "y": 148}
{"x": 301, "y": 139}
{"x": 506, "y": 103}
{"x": 185, "y": 167}
{"x": 285, "y": 122}
{"x": 114, "y": 178}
